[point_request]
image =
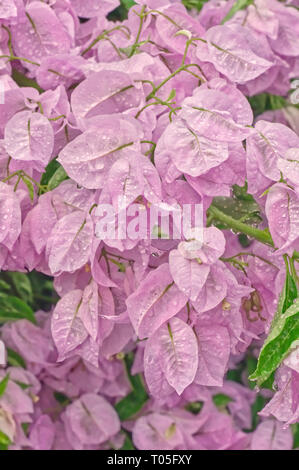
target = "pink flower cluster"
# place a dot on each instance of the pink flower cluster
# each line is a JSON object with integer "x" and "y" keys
{"x": 153, "y": 109}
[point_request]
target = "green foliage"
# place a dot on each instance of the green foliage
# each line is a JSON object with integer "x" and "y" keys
{"x": 256, "y": 407}
{"x": 241, "y": 207}
{"x": 44, "y": 295}
{"x": 128, "y": 444}
{"x": 12, "y": 309}
{"x": 244, "y": 241}
{"x": 49, "y": 171}
{"x": 62, "y": 399}
{"x": 267, "y": 102}
{"x": 4, "y": 441}
{"x": 289, "y": 292}
{"x": 3, "y": 384}
{"x": 24, "y": 81}
{"x": 235, "y": 375}
{"x": 194, "y": 4}
{"x": 21, "y": 285}
{"x": 258, "y": 103}
{"x": 33, "y": 291}
{"x": 194, "y": 407}
{"x": 121, "y": 13}
{"x": 251, "y": 366}
{"x": 30, "y": 187}
{"x": 14, "y": 359}
{"x": 132, "y": 403}
{"x": 221, "y": 400}
{"x": 238, "y": 5}
{"x": 57, "y": 178}
{"x": 22, "y": 385}
{"x": 296, "y": 436}
{"x": 25, "y": 427}
{"x": 284, "y": 332}
{"x": 240, "y": 193}
{"x": 127, "y": 3}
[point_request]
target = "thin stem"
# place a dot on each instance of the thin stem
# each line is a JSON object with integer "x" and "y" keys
{"x": 17, "y": 183}
{"x": 135, "y": 45}
{"x": 9, "y": 44}
{"x": 244, "y": 253}
{"x": 149, "y": 41}
{"x": 121, "y": 266}
{"x": 40, "y": 106}
{"x": 11, "y": 176}
{"x": 12, "y": 57}
{"x": 143, "y": 108}
{"x": 146, "y": 81}
{"x": 261, "y": 235}
{"x": 114, "y": 47}
{"x": 182, "y": 68}
{"x": 20, "y": 174}
{"x": 293, "y": 270}
{"x": 7, "y": 166}
{"x": 92, "y": 208}
{"x": 57, "y": 117}
{"x": 164, "y": 16}
{"x": 93, "y": 43}
{"x": 189, "y": 42}
{"x": 103, "y": 36}
{"x": 148, "y": 142}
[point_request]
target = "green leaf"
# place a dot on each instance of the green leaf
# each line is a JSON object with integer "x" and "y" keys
{"x": 4, "y": 440}
{"x": 22, "y": 285}
{"x": 14, "y": 359}
{"x": 296, "y": 436}
{"x": 282, "y": 337}
{"x": 13, "y": 309}
{"x": 44, "y": 294}
{"x": 194, "y": 4}
{"x": 241, "y": 208}
{"x": 4, "y": 285}
{"x": 289, "y": 292}
{"x": 244, "y": 241}
{"x": 240, "y": 192}
{"x": 3, "y": 385}
{"x": 62, "y": 399}
{"x": 267, "y": 102}
{"x": 256, "y": 407}
{"x": 132, "y": 403}
{"x": 127, "y": 3}
{"x": 25, "y": 427}
{"x": 268, "y": 384}
{"x": 22, "y": 385}
{"x": 277, "y": 102}
{"x": 258, "y": 103}
{"x": 57, "y": 178}
{"x": 238, "y": 5}
{"x": 49, "y": 171}
{"x": 128, "y": 444}
{"x": 171, "y": 95}
{"x": 30, "y": 187}
{"x": 251, "y": 366}
{"x": 194, "y": 407}
{"x": 24, "y": 81}
{"x": 121, "y": 13}
{"x": 221, "y": 400}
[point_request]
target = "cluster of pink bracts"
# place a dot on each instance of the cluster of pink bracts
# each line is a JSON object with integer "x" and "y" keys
{"x": 153, "y": 109}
